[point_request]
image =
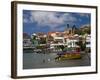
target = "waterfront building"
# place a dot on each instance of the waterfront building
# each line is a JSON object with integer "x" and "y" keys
{"x": 88, "y": 43}
{"x": 26, "y": 40}
{"x": 72, "y": 42}
{"x": 59, "y": 40}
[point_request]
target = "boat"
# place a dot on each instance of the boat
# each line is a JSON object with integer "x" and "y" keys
{"x": 69, "y": 54}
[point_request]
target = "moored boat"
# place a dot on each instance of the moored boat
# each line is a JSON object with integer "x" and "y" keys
{"x": 73, "y": 54}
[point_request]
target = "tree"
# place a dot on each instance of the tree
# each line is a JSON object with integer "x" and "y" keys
{"x": 42, "y": 41}
{"x": 33, "y": 39}
{"x": 81, "y": 44}
{"x": 61, "y": 47}
{"x": 87, "y": 30}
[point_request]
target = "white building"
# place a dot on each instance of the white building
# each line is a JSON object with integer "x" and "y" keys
{"x": 26, "y": 40}
{"x": 88, "y": 41}
{"x": 57, "y": 42}
{"x": 59, "y": 39}
{"x": 72, "y": 42}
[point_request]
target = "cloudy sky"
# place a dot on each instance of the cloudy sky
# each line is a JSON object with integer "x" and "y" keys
{"x": 46, "y": 21}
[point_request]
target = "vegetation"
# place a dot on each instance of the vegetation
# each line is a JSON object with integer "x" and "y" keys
{"x": 61, "y": 47}
{"x": 42, "y": 41}
{"x": 81, "y": 44}
{"x": 84, "y": 30}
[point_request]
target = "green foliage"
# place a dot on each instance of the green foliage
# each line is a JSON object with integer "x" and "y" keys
{"x": 42, "y": 41}
{"x": 61, "y": 47}
{"x": 85, "y": 30}
{"x": 33, "y": 39}
{"x": 81, "y": 44}
{"x": 83, "y": 47}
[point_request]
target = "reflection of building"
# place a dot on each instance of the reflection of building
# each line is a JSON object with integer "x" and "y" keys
{"x": 26, "y": 40}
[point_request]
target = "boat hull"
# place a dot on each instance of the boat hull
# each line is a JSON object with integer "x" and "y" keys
{"x": 68, "y": 56}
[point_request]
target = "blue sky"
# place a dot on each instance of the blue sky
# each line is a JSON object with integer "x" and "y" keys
{"x": 46, "y": 21}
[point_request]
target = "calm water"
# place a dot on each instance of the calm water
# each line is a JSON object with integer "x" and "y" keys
{"x": 39, "y": 60}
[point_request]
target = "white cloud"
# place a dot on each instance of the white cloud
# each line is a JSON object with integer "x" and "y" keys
{"x": 84, "y": 15}
{"x": 25, "y": 20}
{"x": 86, "y": 25}
{"x": 50, "y": 19}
